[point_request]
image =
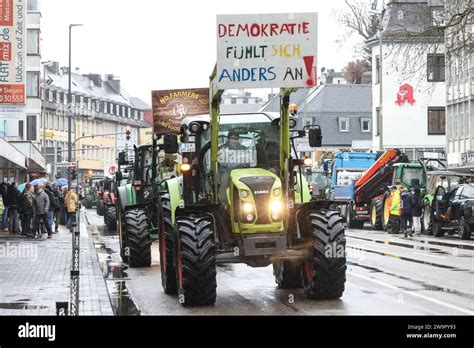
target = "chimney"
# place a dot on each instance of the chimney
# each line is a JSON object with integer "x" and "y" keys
{"x": 114, "y": 82}
{"x": 55, "y": 68}
{"x": 96, "y": 78}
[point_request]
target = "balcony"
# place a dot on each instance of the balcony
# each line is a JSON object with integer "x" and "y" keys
{"x": 36, "y": 162}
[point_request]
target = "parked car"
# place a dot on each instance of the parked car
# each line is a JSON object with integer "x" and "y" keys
{"x": 454, "y": 210}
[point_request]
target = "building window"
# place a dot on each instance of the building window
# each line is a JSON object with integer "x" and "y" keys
{"x": 21, "y": 127}
{"x": 142, "y": 115}
{"x": 436, "y": 121}
{"x": 366, "y": 125}
{"x": 58, "y": 97}
{"x": 437, "y": 17}
{"x": 436, "y": 67}
{"x": 33, "y": 37}
{"x": 379, "y": 121}
{"x": 343, "y": 124}
{"x": 377, "y": 69}
{"x": 32, "y": 84}
{"x": 31, "y": 128}
{"x": 32, "y": 5}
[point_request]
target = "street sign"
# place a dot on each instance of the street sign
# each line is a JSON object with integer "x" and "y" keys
{"x": 267, "y": 50}
{"x": 12, "y": 51}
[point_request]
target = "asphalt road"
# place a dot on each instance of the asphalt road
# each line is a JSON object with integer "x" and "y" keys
{"x": 386, "y": 275}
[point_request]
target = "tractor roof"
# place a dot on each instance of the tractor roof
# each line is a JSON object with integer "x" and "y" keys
{"x": 409, "y": 165}
{"x": 449, "y": 173}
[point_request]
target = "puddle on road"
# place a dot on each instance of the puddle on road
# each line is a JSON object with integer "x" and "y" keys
{"x": 20, "y": 306}
{"x": 425, "y": 285}
{"x": 404, "y": 258}
{"x": 115, "y": 278}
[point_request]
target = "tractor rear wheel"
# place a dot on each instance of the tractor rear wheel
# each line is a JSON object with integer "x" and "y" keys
{"x": 351, "y": 222}
{"x": 88, "y": 202}
{"x": 110, "y": 218}
{"x": 427, "y": 220}
{"x": 168, "y": 270}
{"x": 138, "y": 241}
{"x": 437, "y": 230}
{"x": 386, "y": 214}
{"x": 376, "y": 212}
{"x": 195, "y": 260}
{"x": 100, "y": 207}
{"x": 324, "y": 274}
{"x": 288, "y": 274}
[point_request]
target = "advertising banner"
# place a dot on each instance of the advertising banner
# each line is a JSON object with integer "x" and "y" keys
{"x": 170, "y": 107}
{"x": 267, "y": 50}
{"x": 12, "y": 51}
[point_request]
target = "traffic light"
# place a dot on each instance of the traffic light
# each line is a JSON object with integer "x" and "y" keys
{"x": 128, "y": 133}
{"x": 73, "y": 170}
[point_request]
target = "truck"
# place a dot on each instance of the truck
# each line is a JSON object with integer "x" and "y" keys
{"x": 347, "y": 169}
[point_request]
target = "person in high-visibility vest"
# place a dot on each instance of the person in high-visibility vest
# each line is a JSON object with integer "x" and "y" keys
{"x": 395, "y": 210}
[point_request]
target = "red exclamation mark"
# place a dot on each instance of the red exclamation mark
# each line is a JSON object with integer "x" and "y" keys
{"x": 308, "y": 61}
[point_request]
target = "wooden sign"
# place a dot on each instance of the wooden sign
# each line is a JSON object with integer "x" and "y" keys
{"x": 170, "y": 107}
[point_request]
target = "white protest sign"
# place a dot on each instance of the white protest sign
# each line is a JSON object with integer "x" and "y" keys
{"x": 267, "y": 50}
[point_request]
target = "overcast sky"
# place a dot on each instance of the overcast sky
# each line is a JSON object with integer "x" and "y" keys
{"x": 153, "y": 45}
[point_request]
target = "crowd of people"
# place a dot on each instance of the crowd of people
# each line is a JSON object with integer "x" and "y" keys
{"x": 36, "y": 210}
{"x": 406, "y": 210}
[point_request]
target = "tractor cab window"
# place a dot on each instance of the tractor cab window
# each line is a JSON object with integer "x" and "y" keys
{"x": 412, "y": 176}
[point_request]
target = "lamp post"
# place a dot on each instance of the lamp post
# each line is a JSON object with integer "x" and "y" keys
{"x": 69, "y": 122}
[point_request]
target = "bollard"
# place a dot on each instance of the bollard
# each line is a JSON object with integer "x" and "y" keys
{"x": 62, "y": 309}
{"x": 75, "y": 225}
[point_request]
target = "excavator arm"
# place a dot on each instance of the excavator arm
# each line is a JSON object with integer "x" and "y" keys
{"x": 374, "y": 180}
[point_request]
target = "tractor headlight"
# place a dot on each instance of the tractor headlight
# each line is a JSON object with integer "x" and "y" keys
{"x": 277, "y": 192}
{"x": 276, "y": 209}
{"x": 247, "y": 208}
{"x": 244, "y": 193}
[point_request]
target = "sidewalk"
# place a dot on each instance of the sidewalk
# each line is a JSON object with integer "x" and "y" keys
{"x": 35, "y": 274}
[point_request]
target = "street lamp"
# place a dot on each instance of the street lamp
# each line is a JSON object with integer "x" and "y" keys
{"x": 380, "y": 120}
{"x": 69, "y": 122}
{"x": 43, "y": 121}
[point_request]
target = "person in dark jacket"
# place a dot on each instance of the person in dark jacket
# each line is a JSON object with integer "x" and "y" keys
{"x": 406, "y": 212}
{"x": 3, "y": 192}
{"x": 417, "y": 210}
{"x": 13, "y": 197}
{"x": 27, "y": 209}
{"x": 57, "y": 208}
{"x": 41, "y": 211}
{"x": 49, "y": 191}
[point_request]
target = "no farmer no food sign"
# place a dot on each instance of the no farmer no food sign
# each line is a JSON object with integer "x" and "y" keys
{"x": 267, "y": 50}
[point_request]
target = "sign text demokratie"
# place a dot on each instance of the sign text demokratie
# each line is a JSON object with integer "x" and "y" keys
{"x": 266, "y": 50}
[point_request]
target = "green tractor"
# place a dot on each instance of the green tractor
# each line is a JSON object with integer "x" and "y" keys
{"x": 242, "y": 198}
{"x": 137, "y": 202}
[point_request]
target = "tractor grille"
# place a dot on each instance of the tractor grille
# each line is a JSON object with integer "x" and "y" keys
{"x": 261, "y": 188}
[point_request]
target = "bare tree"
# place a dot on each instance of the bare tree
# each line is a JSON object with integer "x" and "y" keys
{"x": 354, "y": 71}
{"x": 356, "y": 19}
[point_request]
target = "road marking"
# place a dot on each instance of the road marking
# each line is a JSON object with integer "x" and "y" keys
{"x": 442, "y": 303}
{"x": 438, "y": 257}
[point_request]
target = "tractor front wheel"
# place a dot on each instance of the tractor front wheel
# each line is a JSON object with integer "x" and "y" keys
{"x": 324, "y": 273}
{"x": 110, "y": 218}
{"x": 376, "y": 213}
{"x": 168, "y": 270}
{"x": 138, "y": 243}
{"x": 288, "y": 274}
{"x": 100, "y": 207}
{"x": 195, "y": 260}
